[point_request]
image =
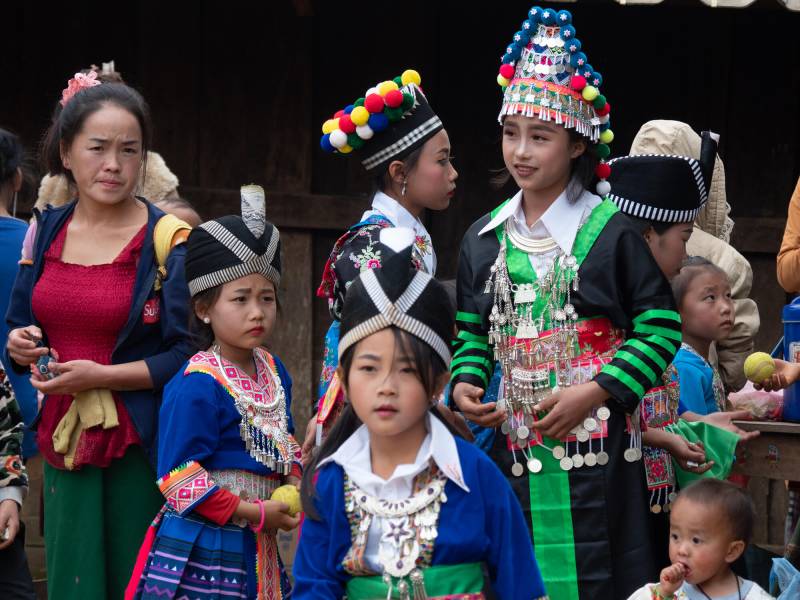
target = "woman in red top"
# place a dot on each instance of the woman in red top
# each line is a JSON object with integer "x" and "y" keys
{"x": 90, "y": 295}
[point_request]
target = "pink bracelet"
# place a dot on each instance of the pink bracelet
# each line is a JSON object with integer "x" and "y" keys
{"x": 263, "y": 516}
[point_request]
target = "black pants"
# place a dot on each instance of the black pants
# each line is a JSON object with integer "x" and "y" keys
{"x": 15, "y": 577}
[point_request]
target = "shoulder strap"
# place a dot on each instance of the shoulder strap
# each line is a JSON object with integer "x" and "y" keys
{"x": 168, "y": 233}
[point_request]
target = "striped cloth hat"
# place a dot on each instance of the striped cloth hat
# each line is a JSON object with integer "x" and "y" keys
{"x": 663, "y": 188}
{"x": 397, "y": 295}
{"x": 225, "y": 249}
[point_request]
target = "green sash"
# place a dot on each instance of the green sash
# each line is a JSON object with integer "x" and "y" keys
{"x": 443, "y": 580}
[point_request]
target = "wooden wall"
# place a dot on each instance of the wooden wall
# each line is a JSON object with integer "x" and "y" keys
{"x": 238, "y": 91}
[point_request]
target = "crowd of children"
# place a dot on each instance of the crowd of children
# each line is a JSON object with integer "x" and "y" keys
{"x": 582, "y": 340}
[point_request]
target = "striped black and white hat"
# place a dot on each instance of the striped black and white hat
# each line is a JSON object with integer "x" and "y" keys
{"x": 397, "y": 295}
{"x": 663, "y": 188}
{"x": 225, "y": 249}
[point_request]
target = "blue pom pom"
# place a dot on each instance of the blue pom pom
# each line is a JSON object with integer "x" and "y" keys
{"x": 348, "y": 109}
{"x": 596, "y": 80}
{"x": 507, "y": 59}
{"x": 519, "y": 37}
{"x": 587, "y": 71}
{"x": 573, "y": 45}
{"x": 563, "y": 17}
{"x": 378, "y": 122}
{"x": 549, "y": 16}
{"x": 516, "y": 51}
{"x": 604, "y": 126}
{"x": 535, "y": 14}
{"x": 568, "y": 33}
{"x": 325, "y": 143}
{"x": 577, "y": 60}
{"x": 527, "y": 26}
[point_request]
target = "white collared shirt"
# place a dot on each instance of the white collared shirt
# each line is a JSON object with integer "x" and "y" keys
{"x": 561, "y": 221}
{"x": 390, "y": 208}
{"x": 355, "y": 458}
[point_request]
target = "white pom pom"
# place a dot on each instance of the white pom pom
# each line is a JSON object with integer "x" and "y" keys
{"x": 338, "y": 138}
{"x": 603, "y": 188}
{"x": 397, "y": 238}
{"x": 364, "y": 132}
{"x": 372, "y": 90}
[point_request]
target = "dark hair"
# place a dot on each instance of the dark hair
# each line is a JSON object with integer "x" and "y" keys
{"x": 202, "y": 334}
{"x": 691, "y": 268}
{"x": 582, "y": 170}
{"x": 730, "y": 500}
{"x": 409, "y": 161}
{"x": 642, "y": 225}
{"x": 423, "y": 356}
{"x": 68, "y": 121}
{"x": 13, "y": 157}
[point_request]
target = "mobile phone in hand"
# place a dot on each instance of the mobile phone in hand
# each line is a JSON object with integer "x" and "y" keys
{"x": 43, "y": 364}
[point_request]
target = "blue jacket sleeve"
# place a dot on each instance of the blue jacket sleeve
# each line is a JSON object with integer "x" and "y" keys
{"x": 175, "y": 337}
{"x": 696, "y": 392}
{"x": 513, "y": 569}
{"x": 317, "y": 569}
{"x": 182, "y": 436}
{"x": 286, "y": 382}
{"x": 19, "y": 310}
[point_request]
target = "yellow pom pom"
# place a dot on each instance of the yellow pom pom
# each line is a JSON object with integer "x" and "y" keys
{"x": 410, "y": 76}
{"x": 607, "y": 136}
{"x": 346, "y": 149}
{"x": 328, "y": 126}
{"x": 359, "y": 116}
{"x": 758, "y": 367}
{"x": 590, "y": 93}
{"x": 289, "y": 495}
{"x": 386, "y": 87}
{"x": 503, "y": 81}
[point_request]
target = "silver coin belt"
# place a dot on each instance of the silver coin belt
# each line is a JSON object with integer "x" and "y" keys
{"x": 535, "y": 367}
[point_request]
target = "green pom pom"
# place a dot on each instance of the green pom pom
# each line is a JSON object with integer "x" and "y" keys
{"x": 354, "y": 141}
{"x": 600, "y": 101}
{"x": 603, "y": 151}
{"x": 359, "y": 102}
{"x": 393, "y": 114}
{"x": 398, "y": 81}
{"x": 408, "y": 102}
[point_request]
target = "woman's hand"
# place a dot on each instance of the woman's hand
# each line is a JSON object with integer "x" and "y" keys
{"x": 468, "y": 399}
{"x": 71, "y": 377}
{"x": 9, "y": 519}
{"x": 785, "y": 374}
{"x": 685, "y": 452}
{"x": 276, "y": 515}
{"x": 568, "y": 408}
{"x": 724, "y": 420}
{"x": 310, "y": 441}
{"x": 22, "y": 345}
{"x": 671, "y": 579}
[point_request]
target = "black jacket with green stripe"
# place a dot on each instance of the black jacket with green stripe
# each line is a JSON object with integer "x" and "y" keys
{"x": 619, "y": 279}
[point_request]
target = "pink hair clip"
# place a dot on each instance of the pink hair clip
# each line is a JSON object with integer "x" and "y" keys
{"x": 77, "y": 83}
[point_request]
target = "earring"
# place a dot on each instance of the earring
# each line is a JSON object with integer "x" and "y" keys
{"x": 403, "y": 189}
{"x": 206, "y": 320}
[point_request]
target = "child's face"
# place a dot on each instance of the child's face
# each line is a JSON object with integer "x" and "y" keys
{"x": 669, "y": 248}
{"x": 707, "y": 310}
{"x": 538, "y": 154}
{"x": 384, "y": 388}
{"x": 701, "y": 540}
{"x": 244, "y": 314}
{"x": 432, "y": 182}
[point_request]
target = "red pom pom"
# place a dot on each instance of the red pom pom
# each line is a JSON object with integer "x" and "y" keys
{"x": 577, "y": 83}
{"x": 507, "y": 71}
{"x": 603, "y": 171}
{"x": 394, "y": 98}
{"x": 346, "y": 124}
{"x": 602, "y": 112}
{"x": 338, "y": 114}
{"x": 374, "y": 103}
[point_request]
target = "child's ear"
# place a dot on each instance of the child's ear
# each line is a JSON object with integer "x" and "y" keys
{"x": 577, "y": 149}
{"x": 735, "y": 550}
{"x": 340, "y": 375}
{"x": 440, "y": 384}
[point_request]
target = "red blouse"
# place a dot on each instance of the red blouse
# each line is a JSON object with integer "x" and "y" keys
{"x": 83, "y": 309}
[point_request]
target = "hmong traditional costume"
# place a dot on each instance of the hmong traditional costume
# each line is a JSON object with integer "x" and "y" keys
{"x": 223, "y": 436}
{"x": 575, "y": 298}
{"x": 391, "y": 121}
{"x": 406, "y": 536}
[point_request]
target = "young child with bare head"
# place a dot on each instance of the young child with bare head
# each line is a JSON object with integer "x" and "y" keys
{"x": 711, "y": 524}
